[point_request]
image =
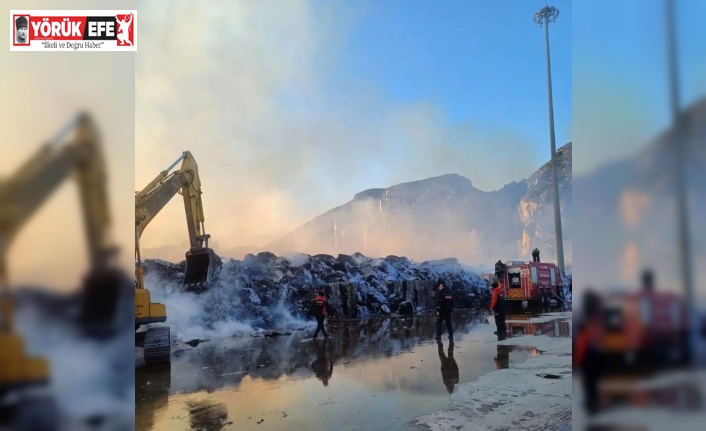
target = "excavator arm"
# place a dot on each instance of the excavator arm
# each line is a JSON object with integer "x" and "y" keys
{"x": 31, "y": 185}
{"x": 202, "y": 264}
{"x": 150, "y": 201}
{"x": 21, "y": 196}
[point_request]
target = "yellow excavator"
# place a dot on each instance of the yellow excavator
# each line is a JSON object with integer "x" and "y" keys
{"x": 21, "y": 195}
{"x": 202, "y": 264}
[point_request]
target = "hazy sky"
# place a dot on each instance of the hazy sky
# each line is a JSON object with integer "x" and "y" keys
{"x": 292, "y": 108}
{"x": 621, "y": 94}
{"x": 621, "y": 87}
{"x": 42, "y": 92}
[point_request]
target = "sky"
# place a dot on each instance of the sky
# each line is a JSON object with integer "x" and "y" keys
{"x": 622, "y": 98}
{"x": 45, "y": 91}
{"x": 620, "y": 74}
{"x": 291, "y": 110}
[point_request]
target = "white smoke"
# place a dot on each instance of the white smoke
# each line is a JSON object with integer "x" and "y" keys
{"x": 88, "y": 377}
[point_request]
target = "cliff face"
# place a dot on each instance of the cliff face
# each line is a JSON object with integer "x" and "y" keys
{"x": 626, "y": 211}
{"x": 445, "y": 216}
{"x": 536, "y": 208}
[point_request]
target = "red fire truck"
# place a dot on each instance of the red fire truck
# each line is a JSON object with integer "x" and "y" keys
{"x": 530, "y": 285}
{"x": 644, "y": 329}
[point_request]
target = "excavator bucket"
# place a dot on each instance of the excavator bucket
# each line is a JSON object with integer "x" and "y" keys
{"x": 105, "y": 294}
{"x": 202, "y": 268}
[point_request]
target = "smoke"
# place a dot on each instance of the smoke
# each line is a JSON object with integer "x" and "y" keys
{"x": 222, "y": 311}
{"x": 247, "y": 88}
{"x": 267, "y": 292}
{"x": 438, "y": 218}
{"x": 642, "y": 164}
{"x": 89, "y": 378}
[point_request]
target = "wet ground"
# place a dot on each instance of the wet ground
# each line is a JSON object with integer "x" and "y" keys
{"x": 377, "y": 373}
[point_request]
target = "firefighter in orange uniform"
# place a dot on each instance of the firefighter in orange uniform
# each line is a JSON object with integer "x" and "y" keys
{"x": 497, "y": 306}
{"x": 587, "y": 354}
{"x": 319, "y": 310}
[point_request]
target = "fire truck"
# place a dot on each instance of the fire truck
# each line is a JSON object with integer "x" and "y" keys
{"x": 530, "y": 287}
{"x": 643, "y": 330}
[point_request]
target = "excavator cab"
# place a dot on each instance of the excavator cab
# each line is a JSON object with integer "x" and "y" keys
{"x": 202, "y": 267}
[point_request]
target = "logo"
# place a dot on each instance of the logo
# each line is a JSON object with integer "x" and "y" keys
{"x": 73, "y": 30}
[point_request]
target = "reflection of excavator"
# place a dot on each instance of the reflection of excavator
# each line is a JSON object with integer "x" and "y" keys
{"x": 20, "y": 197}
{"x": 202, "y": 264}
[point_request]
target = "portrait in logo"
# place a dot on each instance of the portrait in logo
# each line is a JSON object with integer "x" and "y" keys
{"x": 124, "y": 29}
{"x": 22, "y": 30}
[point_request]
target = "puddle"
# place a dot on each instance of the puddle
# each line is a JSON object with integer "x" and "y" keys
{"x": 373, "y": 374}
{"x": 558, "y": 327}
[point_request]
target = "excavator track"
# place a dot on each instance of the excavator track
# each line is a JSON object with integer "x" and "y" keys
{"x": 157, "y": 345}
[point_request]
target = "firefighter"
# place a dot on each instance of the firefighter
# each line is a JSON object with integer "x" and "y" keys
{"x": 587, "y": 355}
{"x": 499, "y": 267}
{"x": 648, "y": 281}
{"x": 444, "y": 308}
{"x": 497, "y": 306}
{"x": 546, "y": 299}
{"x": 535, "y": 255}
{"x": 319, "y": 309}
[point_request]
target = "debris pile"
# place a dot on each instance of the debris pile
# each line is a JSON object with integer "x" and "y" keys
{"x": 266, "y": 289}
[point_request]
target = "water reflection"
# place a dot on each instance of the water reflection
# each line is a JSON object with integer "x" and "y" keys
{"x": 554, "y": 328}
{"x": 449, "y": 368}
{"x": 323, "y": 365}
{"x": 502, "y": 358}
{"x": 387, "y": 373}
{"x": 152, "y": 394}
{"x": 210, "y": 367}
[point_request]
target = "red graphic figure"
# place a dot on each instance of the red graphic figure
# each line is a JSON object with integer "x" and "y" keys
{"x": 124, "y": 29}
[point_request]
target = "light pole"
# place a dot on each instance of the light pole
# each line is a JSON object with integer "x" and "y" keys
{"x": 546, "y": 14}
{"x": 680, "y": 183}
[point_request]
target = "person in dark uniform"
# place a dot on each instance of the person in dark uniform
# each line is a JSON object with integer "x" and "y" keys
{"x": 499, "y": 269}
{"x": 319, "y": 310}
{"x": 323, "y": 365}
{"x": 497, "y": 306}
{"x": 535, "y": 255}
{"x": 449, "y": 368}
{"x": 546, "y": 297}
{"x": 444, "y": 308}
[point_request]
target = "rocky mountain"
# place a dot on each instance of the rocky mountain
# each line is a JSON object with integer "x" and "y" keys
{"x": 445, "y": 216}
{"x": 626, "y": 211}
